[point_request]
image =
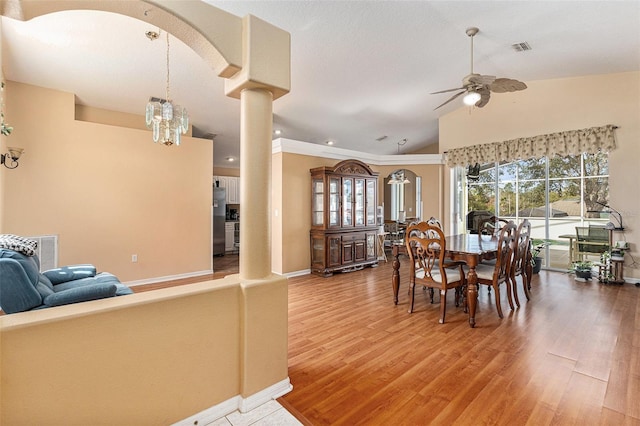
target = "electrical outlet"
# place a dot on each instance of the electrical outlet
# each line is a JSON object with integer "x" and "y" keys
{"x": 134, "y": 258}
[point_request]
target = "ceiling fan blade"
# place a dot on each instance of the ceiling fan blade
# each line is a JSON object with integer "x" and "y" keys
{"x": 481, "y": 79}
{"x": 485, "y": 95}
{"x": 448, "y": 90}
{"x": 450, "y": 99}
{"x": 503, "y": 85}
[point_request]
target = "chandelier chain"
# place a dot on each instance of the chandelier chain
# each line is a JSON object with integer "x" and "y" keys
{"x": 167, "y": 65}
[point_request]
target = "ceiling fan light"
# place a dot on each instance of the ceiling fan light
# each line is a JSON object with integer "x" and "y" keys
{"x": 471, "y": 98}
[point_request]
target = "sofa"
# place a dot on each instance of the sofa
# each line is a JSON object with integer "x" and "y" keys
{"x": 23, "y": 287}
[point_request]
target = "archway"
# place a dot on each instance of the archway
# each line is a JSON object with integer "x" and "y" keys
{"x": 402, "y": 195}
{"x": 217, "y": 37}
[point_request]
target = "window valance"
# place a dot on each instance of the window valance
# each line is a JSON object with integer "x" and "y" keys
{"x": 570, "y": 142}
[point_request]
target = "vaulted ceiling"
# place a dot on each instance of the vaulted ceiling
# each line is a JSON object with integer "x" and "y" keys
{"x": 362, "y": 71}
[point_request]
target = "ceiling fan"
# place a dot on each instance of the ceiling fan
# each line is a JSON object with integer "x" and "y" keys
{"x": 477, "y": 88}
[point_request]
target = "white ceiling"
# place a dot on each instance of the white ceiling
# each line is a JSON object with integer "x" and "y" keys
{"x": 360, "y": 70}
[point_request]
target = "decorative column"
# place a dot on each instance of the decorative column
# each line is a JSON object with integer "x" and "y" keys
{"x": 256, "y": 123}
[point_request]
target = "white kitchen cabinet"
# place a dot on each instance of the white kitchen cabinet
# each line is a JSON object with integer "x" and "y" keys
{"x": 222, "y": 181}
{"x": 233, "y": 190}
{"x": 228, "y": 236}
{"x": 232, "y": 185}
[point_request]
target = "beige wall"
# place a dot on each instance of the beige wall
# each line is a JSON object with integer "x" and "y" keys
{"x": 226, "y": 171}
{"x": 296, "y": 210}
{"x": 429, "y": 149}
{"x": 108, "y": 192}
{"x": 565, "y": 104}
{"x": 295, "y": 217}
{"x": 112, "y": 118}
{"x": 152, "y": 358}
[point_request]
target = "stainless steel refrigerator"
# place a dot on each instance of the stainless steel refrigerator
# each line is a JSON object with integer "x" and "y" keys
{"x": 219, "y": 217}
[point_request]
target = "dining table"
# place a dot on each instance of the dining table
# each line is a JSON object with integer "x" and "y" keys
{"x": 468, "y": 248}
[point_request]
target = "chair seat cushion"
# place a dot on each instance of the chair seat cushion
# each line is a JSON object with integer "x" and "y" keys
{"x": 453, "y": 274}
{"x": 485, "y": 271}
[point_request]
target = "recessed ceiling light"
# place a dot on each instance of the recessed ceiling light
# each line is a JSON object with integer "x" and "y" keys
{"x": 277, "y": 131}
{"x": 230, "y": 159}
{"x": 329, "y": 142}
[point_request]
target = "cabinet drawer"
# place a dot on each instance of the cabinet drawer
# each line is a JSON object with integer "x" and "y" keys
{"x": 356, "y": 236}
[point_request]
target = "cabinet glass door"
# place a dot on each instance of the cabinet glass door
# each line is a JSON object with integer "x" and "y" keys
{"x": 317, "y": 251}
{"x": 317, "y": 212}
{"x": 334, "y": 201}
{"x": 347, "y": 202}
{"x": 359, "y": 202}
{"x": 371, "y": 246}
{"x": 371, "y": 202}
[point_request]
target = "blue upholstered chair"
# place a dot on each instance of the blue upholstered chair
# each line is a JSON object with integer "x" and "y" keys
{"x": 23, "y": 287}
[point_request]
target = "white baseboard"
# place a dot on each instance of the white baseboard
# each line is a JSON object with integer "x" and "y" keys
{"x": 211, "y": 414}
{"x": 297, "y": 273}
{"x": 238, "y": 403}
{"x": 168, "y": 278}
{"x": 272, "y": 392}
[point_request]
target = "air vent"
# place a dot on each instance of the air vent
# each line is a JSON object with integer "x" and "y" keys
{"x": 521, "y": 47}
{"x": 47, "y": 251}
{"x": 381, "y": 138}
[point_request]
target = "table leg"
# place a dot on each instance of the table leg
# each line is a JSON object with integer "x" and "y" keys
{"x": 572, "y": 251}
{"x": 472, "y": 294}
{"x": 395, "y": 278}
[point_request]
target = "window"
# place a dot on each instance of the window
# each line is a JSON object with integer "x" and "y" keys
{"x": 555, "y": 194}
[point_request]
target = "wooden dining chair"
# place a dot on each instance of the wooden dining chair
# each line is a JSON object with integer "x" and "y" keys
{"x": 520, "y": 266}
{"x": 426, "y": 247}
{"x": 432, "y": 222}
{"x": 500, "y": 273}
{"x": 491, "y": 225}
{"x": 393, "y": 235}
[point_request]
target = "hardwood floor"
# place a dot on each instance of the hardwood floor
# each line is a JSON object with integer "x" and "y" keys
{"x": 571, "y": 355}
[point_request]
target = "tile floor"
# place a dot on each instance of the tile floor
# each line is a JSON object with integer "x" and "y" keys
{"x": 268, "y": 414}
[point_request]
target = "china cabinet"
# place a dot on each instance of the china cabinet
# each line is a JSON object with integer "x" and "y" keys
{"x": 343, "y": 217}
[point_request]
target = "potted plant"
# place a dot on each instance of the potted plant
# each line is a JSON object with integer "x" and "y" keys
{"x": 604, "y": 267}
{"x": 536, "y": 259}
{"x": 582, "y": 269}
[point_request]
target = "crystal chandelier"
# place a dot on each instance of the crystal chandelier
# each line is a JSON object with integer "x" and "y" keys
{"x": 168, "y": 121}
